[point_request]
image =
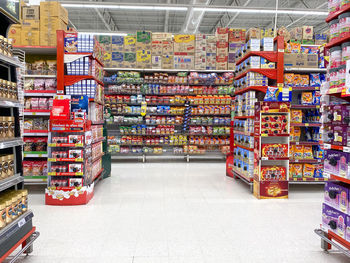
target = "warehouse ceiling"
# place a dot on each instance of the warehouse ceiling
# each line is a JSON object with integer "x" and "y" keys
{"x": 116, "y": 20}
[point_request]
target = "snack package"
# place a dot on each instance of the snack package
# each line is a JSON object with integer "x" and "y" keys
{"x": 298, "y": 151}
{"x": 306, "y": 98}
{"x": 295, "y": 133}
{"x": 34, "y": 103}
{"x": 296, "y": 116}
{"x": 273, "y": 173}
{"x": 297, "y": 170}
{"x": 28, "y": 124}
{"x": 315, "y": 80}
{"x": 305, "y": 81}
{"x": 307, "y": 154}
{"x": 318, "y": 171}
{"x": 271, "y": 94}
{"x": 27, "y": 168}
{"x": 289, "y": 79}
{"x": 50, "y": 84}
{"x": 316, "y": 97}
{"x": 39, "y": 84}
{"x": 309, "y": 170}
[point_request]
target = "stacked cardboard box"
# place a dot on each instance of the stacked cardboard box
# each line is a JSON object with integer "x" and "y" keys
{"x": 117, "y": 52}
{"x": 106, "y": 43}
{"x": 200, "y": 52}
{"x": 129, "y": 54}
{"x": 30, "y": 35}
{"x": 184, "y": 47}
{"x": 53, "y": 17}
{"x": 211, "y": 52}
{"x": 144, "y": 49}
{"x": 221, "y": 48}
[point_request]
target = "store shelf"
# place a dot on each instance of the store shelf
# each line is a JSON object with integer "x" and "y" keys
{"x": 243, "y": 177}
{"x": 203, "y": 124}
{"x": 35, "y": 180}
{"x": 275, "y": 135}
{"x": 35, "y": 154}
{"x": 10, "y": 181}
{"x": 217, "y": 115}
{"x": 38, "y": 50}
{"x": 305, "y": 88}
{"x": 305, "y": 143}
{"x": 307, "y": 180}
{"x": 97, "y": 157}
{"x": 270, "y": 73}
{"x": 306, "y": 124}
{"x": 72, "y": 160}
{"x": 274, "y": 158}
{"x": 339, "y": 40}
{"x": 36, "y": 112}
{"x": 305, "y": 160}
{"x": 251, "y": 88}
{"x": 11, "y": 143}
{"x": 269, "y": 55}
{"x": 203, "y": 134}
{"x": 71, "y": 79}
{"x": 244, "y": 147}
{"x": 35, "y": 133}
{"x": 305, "y": 106}
{"x": 336, "y": 147}
{"x": 64, "y": 174}
{"x": 98, "y": 175}
{"x": 39, "y": 93}
{"x": 11, "y": 61}
{"x": 40, "y": 76}
{"x": 10, "y": 104}
{"x": 244, "y": 117}
{"x": 338, "y": 178}
{"x": 98, "y": 122}
{"x": 70, "y": 57}
{"x": 335, "y": 14}
{"x": 244, "y": 133}
{"x": 98, "y": 140}
{"x": 306, "y": 70}
{"x": 165, "y": 70}
{"x": 72, "y": 145}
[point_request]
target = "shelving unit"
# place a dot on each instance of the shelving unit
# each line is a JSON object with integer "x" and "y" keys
{"x": 191, "y": 147}
{"x": 19, "y": 229}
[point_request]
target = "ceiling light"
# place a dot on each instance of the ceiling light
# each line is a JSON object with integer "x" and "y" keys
{"x": 262, "y": 11}
{"x": 105, "y": 33}
{"x": 130, "y": 7}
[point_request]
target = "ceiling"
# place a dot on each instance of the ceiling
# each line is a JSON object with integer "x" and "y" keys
{"x": 90, "y": 19}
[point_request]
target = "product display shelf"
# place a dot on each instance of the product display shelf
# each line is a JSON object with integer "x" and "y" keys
{"x": 39, "y": 93}
{"x": 38, "y": 50}
{"x": 270, "y": 73}
{"x": 305, "y": 88}
{"x": 189, "y": 150}
{"x": 164, "y": 70}
{"x": 334, "y": 230}
{"x": 305, "y": 70}
{"x": 39, "y": 76}
{"x": 256, "y": 88}
{"x": 16, "y": 227}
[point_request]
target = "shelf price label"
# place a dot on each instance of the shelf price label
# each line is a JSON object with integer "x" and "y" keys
{"x": 326, "y": 175}
{"x": 306, "y": 124}
{"x": 79, "y": 145}
{"x": 346, "y": 149}
{"x": 51, "y": 173}
{"x": 52, "y": 144}
{"x": 52, "y": 159}
{"x": 78, "y": 159}
{"x": 304, "y": 179}
{"x": 264, "y": 158}
{"x": 21, "y": 222}
{"x": 326, "y": 146}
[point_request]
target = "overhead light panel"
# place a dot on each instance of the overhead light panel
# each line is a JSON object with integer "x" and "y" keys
{"x": 127, "y": 7}
{"x": 261, "y": 11}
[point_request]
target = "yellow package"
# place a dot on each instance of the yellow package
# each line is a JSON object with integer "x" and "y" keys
{"x": 309, "y": 170}
{"x": 288, "y": 78}
{"x": 307, "y": 153}
{"x": 298, "y": 151}
{"x": 296, "y": 116}
{"x": 297, "y": 170}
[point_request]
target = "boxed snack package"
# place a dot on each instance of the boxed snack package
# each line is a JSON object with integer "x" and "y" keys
{"x": 337, "y": 195}
{"x": 333, "y": 220}
{"x": 130, "y": 43}
{"x": 308, "y": 32}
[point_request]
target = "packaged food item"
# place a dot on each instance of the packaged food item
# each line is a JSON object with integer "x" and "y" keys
{"x": 309, "y": 170}
{"x": 50, "y": 84}
{"x": 298, "y": 151}
{"x": 271, "y": 94}
{"x": 75, "y": 168}
{"x": 306, "y": 98}
{"x": 39, "y": 84}
{"x": 296, "y": 116}
{"x": 308, "y": 152}
{"x": 297, "y": 170}
{"x": 75, "y": 154}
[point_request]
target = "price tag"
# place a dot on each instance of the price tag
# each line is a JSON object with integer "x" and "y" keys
{"x": 79, "y": 174}
{"x": 40, "y": 155}
{"x": 51, "y": 173}
{"x": 296, "y": 161}
{"x": 21, "y": 222}
{"x": 346, "y": 149}
{"x": 317, "y": 106}
{"x": 326, "y": 146}
{"x": 306, "y": 124}
{"x": 304, "y": 179}
{"x": 264, "y": 158}
{"x": 264, "y": 135}
{"x": 33, "y": 113}
{"x": 316, "y": 179}
{"x": 297, "y": 143}
{"x": 79, "y": 145}
{"x": 78, "y": 159}
{"x": 295, "y": 179}
{"x": 51, "y": 159}
{"x": 281, "y": 50}
{"x": 326, "y": 175}
{"x": 52, "y": 144}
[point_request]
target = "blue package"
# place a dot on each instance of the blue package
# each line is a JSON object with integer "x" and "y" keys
{"x": 79, "y": 103}
{"x": 271, "y": 94}
{"x": 315, "y": 80}
{"x": 316, "y": 97}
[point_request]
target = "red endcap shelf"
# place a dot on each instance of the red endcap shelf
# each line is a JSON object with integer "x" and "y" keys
{"x": 244, "y": 117}
{"x": 269, "y": 55}
{"x": 256, "y": 88}
{"x": 338, "y": 40}
{"x": 334, "y": 15}
{"x": 71, "y": 79}
{"x": 268, "y": 72}
{"x": 341, "y": 179}
{"x": 86, "y": 54}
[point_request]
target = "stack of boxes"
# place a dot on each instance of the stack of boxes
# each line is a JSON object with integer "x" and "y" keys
{"x": 305, "y": 35}
{"x": 39, "y": 25}
{"x": 105, "y": 42}
{"x": 144, "y": 49}
{"x": 200, "y": 52}
{"x": 129, "y": 54}
{"x": 184, "y": 49}
{"x": 221, "y": 48}
{"x": 211, "y": 52}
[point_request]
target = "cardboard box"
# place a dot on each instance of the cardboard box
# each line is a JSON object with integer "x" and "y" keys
{"x": 253, "y": 33}
{"x": 117, "y": 59}
{"x": 30, "y": 37}
{"x": 162, "y": 37}
{"x": 167, "y": 48}
{"x": 300, "y": 60}
{"x": 236, "y": 35}
{"x": 221, "y": 34}
{"x": 267, "y": 32}
{"x": 221, "y": 62}
{"x": 130, "y": 43}
{"x": 184, "y": 43}
{"x": 167, "y": 62}
{"x": 157, "y": 62}
{"x": 34, "y": 24}
{"x": 143, "y": 59}
{"x": 53, "y": 9}
{"x": 104, "y": 40}
{"x": 143, "y": 40}
{"x": 31, "y": 12}
{"x": 183, "y": 62}
{"x": 308, "y": 32}
{"x": 52, "y": 24}
{"x": 311, "y": 60}
{"x": 296, "y": 33}
{"x": 14, "y": 33}
{"x": 211, "y": 47}
{"x": 267, "y": 44}
{"x": 221, "y": 48}
{"x": 117, "y": 43}
{"x": 157, "y": 48}
{"x": 129, "y": 60}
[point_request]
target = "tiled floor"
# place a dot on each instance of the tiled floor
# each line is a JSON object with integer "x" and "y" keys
{"x": 179, "y": 213}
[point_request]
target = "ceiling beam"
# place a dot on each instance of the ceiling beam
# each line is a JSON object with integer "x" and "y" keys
{"x": 300, "y": 18}
{"x": 106, "y": 18}
{"x": 166, "y": 19}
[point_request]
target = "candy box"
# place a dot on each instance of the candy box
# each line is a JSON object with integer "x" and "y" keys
{"x": 341, "y": 135}
{"x": 331, "y": 161}
{"x": 75, "y": 139}
{"x": 272, "y": 173}
{"x": 306, "y": 98}
{"x": 75, "y": 154}
{"x": 75, "y": 182}
{"x": 308, "y": 170}
{"x": 276, "y": 150}
{"x": 336, "y": 195}
{"x": 75, "y": 168}
{"x": 333, "y": 220}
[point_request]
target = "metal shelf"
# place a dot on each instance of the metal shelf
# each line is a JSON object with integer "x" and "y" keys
{"x": 34, "y": 155}
{"x": 39, "y": 93}
{"x": 11, "y": 61}
{"x": 31, "y": 180}
{"x": 165, "y": 70}
{"x": 40, "y": 76}
{"x": 11, "y": 143}
{"x": 306, "y": 70}
{"x": 36, "y": 112}
{"x": 38, "y": 50}
{"x": 10, "y": 181}
{"x": 10, "y": 104}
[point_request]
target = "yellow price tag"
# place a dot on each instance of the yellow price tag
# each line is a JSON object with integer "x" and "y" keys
{"x": 79, "y": 145}
{"x": 295, "y": 179}
{"x": 306, "y": 124}
{"x": 51, "y": 159}
{"x": 317, "y": 106}
{"x": 304, "y": 179}
{"x": 40, "y": 155}
{"x": 79, "y": 174}
{"x": 52, "y": 144}
{"x": 78, "y": 159}
{"x": 51, "y": 173}
{"x": 316, "y": 179}
{"x": 33, "y": 113}
{"x": 263, "y": 135}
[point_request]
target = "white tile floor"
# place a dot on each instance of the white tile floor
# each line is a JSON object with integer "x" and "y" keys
{"x": 179, "y": 213}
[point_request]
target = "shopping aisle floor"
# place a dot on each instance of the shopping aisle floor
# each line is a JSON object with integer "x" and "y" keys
{"x": 179, "y": 213}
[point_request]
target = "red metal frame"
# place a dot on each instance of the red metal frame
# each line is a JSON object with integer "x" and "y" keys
{"x": 256, "y": 88}
{"x": 338, "y": 178}
{"x": 334, "y": 15}
{"x": 22, "y": 242}
{"x": 60, "y": 61}
{"x": 340, "y": 240}
{"x": 269, "y": 55}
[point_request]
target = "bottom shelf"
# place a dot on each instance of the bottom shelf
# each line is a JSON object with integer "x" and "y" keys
{"x": 329, "y": 239}
{"x": 69, "y": 195}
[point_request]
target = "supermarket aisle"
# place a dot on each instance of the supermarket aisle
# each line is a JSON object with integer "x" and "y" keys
{"x": 177, "y": 212}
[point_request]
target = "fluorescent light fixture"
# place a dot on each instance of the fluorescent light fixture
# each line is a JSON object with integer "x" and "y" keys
{"x": 262, "y": 11}
{"x": 128, "y": 7}
{"x": 104, "y": 33}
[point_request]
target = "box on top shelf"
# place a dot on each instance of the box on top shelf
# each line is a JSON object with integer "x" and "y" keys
{"x": 157, "y": 62}
{"x": 30, "y": 37}
{"x": 236, "y": 35}
{"x": 253, "y": 33}
{"x": 267, "y": 32}
{"x": 296, "y": 60}
{"x": 30, "y": 24}
{"x": 183, "y": 62}
{"x": 31, "y": 12}
{"x": 167, "y": 62}
{"x": 14, "y": 33}
{"x": 184, "y": 43}
{"x": 221, "y": 34}
{"x": 296, "y": 33}
{"x": 117, "y": 44}
{"x": 129, "y": 60}
{"x": 48, "y": 27}
{"x": 167, "y": 48}
{"x": 143, "y": 59}
{"x": 53, "y": 9}
{"x": 162, "y": 36}
{"x": 144, "y": 40}
{"x": 157, "y": 48}
{"x": 130, "y": 43}
{"x": 308, "y": 32}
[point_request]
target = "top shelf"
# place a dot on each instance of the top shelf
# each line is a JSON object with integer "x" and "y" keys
{"x": 166, "y": 70}
{"x": 38, "y": 50}
{"x": 334, "y": 15}
{"x": 11, "y": 61}
{"x": 309, "y": 70}
{"x": 269, "y": 55}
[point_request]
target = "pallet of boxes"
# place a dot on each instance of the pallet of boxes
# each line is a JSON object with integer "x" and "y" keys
{"x": 39, "y": 24}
